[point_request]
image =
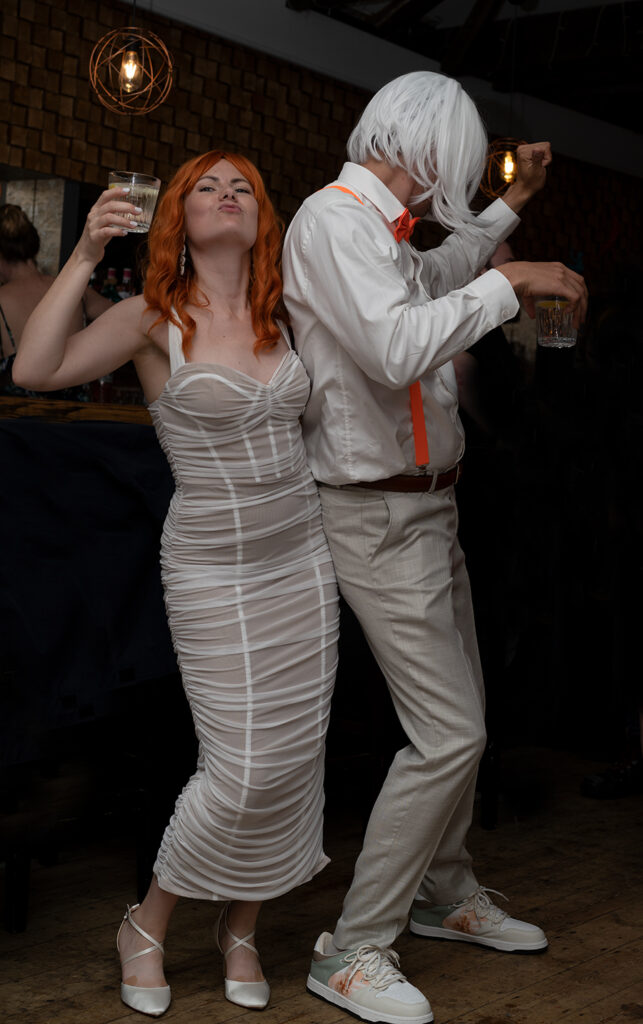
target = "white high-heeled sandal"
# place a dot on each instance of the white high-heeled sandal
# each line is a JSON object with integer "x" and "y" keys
{"x": 253, "y": 995}
{"x": 153, "y": 1001}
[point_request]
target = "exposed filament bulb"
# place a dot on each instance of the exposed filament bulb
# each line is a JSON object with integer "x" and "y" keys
{"x": 131, "y": 72}
{"x": 508, "y": 166}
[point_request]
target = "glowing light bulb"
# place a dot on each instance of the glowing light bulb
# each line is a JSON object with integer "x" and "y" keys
{"x": 508, "y": 166}
{"x": 131, "y": 72}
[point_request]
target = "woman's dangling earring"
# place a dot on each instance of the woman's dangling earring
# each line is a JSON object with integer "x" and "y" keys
{"x": 182, "y": 256}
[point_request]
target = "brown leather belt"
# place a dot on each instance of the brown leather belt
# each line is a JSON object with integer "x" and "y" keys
{"x": 403, "y": 482}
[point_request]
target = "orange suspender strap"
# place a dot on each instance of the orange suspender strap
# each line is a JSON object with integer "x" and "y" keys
{"x": 340, "y": 188}
{"x": 420, "y": 439}
{"x": 418, "y": 419}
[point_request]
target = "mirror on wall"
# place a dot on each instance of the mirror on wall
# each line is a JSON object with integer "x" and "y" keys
{"x": 43, "y": 201}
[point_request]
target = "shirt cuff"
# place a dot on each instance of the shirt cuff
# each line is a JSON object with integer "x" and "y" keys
{"x": 501, "y": 216}
{"x": 497, "y": 295}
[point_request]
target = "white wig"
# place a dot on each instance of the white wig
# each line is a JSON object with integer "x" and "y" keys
{"x": 426, "y": 124}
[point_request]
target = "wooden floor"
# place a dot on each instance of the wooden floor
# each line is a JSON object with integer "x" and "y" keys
{"x": 571, "y": 864}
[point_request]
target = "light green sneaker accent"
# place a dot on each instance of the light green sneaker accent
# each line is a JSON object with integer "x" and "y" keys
{"x": 476, "y": 919}
{"x": 367, "y": 982}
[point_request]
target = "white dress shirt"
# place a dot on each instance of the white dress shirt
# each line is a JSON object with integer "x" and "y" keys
{"x": 371, "y": 316}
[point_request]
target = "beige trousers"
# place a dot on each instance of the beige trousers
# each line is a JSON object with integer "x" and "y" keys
{"x": 400, "y": 568}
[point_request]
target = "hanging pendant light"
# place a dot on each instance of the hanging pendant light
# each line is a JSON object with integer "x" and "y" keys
{"x": 501, "y": 168}
{"x": 500, "y": 171}
{"x": 130, "y": 70}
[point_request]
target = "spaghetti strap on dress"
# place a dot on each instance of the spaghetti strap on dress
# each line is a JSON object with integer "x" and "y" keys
{"x": 252, "y": 605}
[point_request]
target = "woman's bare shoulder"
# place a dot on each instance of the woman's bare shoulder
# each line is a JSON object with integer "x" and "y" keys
{"x": 128, "y": 321}
{"x": 134, "y": 310}
{"x": 18, "y": 300}
{"x": 24, "y": 292}
{"x": 147, "y": 319}
{"x": 151, "y": 319}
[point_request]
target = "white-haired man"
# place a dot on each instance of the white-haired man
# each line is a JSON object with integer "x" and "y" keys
{"x": 377, "y": 324}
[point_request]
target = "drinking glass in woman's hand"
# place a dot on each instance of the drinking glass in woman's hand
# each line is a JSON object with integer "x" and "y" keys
{"x": 143, "y": 192}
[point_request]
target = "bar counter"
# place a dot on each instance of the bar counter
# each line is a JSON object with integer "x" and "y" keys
{"x": 84, "y": 494}
{"x": 55, "y": 410}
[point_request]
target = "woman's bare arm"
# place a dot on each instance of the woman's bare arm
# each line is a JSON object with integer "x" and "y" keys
{"x": 95, "y": 304}
{"x": 49, "y": 357}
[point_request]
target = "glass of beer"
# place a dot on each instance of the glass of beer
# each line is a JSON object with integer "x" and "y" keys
{"x": 144, "y": 191}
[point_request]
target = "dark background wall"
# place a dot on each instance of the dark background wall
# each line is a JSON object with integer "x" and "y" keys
{"x": 292, "y": 122}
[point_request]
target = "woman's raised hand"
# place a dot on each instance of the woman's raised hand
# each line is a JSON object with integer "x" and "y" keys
{"x": 110, "y": 215}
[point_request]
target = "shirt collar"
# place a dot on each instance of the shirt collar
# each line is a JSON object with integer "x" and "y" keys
{"x": 369, "y": 185}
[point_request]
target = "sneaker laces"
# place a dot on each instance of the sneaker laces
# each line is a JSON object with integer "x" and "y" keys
{"x": 482, "y": 905}
{"x": 380, "y": 967}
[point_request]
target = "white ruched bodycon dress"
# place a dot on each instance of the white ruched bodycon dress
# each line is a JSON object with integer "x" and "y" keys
{"x": 251, "y": 600}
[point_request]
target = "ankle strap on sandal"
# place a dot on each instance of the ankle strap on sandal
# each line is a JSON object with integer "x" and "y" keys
{"x": 236, "y": 941}
{"x": 150, "y": 938}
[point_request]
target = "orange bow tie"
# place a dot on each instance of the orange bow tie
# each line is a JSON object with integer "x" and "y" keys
{"x": 404, "y": 225}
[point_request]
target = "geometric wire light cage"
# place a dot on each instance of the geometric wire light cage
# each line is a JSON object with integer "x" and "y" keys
{"x": 500, "y": 169}
{"x": 130, "y": 71}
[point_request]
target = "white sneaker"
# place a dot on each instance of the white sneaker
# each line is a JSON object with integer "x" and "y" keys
{"x": 367, "y": 982}
{"x": 477, "y": 919}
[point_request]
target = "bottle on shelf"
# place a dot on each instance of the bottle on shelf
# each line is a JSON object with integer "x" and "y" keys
{"x": 110, "y": 286}
{"x": 127, "y": 285}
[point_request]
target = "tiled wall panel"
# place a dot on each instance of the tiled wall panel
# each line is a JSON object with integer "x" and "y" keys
{"x": 293, "y": 123}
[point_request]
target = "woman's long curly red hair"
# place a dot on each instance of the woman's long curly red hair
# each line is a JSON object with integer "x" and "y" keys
{"x": 169, "y": 293}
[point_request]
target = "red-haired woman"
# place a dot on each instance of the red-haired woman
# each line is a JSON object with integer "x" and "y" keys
{"x": 249, "y": 585}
